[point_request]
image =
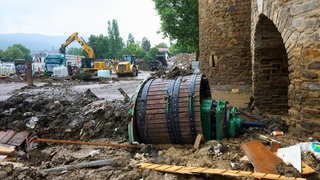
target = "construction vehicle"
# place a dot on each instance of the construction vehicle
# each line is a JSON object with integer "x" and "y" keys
{"x": 127, "y": 66}
{"x": 87, "y": 64}
{"x": 53, "y": 60}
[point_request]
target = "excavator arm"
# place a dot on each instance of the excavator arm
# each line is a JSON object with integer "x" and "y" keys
{"x": 84, "y": 45}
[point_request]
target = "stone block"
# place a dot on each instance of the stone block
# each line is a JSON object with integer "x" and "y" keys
{"x": 314, "y": 65}
{"x": 310, "y": 113}
{"x": 311, "y": 86}
{"x": 301, "y": 8}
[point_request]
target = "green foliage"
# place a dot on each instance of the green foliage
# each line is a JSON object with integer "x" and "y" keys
{"x": 179, "y": 21}
{"x": 1, "y": 54}
{"x": 100, "y": 45}
{"x": 130, "y": 39}
{"x": 151, "y": 54}
{"x": 115, "y": 41}
{"x": 17, "y": 51}
{"x": 146, "y": 44}
{"x": 140, "y": 53}
{"x": 134, "y": 49}
{"x": 76, "y": 51}
{"x": 176, "y": 49}
{"x": 83, "y": 76}
{"x": 161, "y": 45}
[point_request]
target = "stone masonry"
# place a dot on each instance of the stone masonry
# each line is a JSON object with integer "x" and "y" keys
{"x": 272, "y": 46}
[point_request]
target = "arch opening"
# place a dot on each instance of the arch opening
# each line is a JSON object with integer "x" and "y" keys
{"x": 270, "y": 69}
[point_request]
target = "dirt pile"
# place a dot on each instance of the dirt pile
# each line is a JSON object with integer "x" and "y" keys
{"x": 143, "y": 65}
{"x": 58, "y": 112}
{"x": 181, "y": 61}
{"x": 180, "y": 66}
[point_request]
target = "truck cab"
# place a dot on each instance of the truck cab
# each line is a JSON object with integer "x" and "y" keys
{"x": 54, "y": 60}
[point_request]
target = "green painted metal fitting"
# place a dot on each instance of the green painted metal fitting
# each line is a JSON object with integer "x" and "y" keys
{"x": 205, "y": 118}
{"x": 234, "y": 123}
{"x": 220, "y": 119}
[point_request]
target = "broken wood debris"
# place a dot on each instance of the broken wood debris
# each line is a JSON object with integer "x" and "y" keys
{"x": 263, "y": 160}
{"x": 13, "y": 138}
{"x": 222, "y": 172}
{"x": 87, "y": 143}
{"x": 197, "y": 142}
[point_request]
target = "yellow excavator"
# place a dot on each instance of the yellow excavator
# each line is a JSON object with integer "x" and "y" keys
{"x": 88, "y": 64}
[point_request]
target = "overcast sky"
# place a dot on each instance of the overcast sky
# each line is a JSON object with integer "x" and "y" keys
{"x": 63, "y": 17}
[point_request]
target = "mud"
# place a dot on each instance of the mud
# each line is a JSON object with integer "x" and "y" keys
{"x": 59, "y": 110}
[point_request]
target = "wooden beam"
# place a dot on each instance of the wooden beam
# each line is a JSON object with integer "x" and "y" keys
{"x": 200, "y": 170}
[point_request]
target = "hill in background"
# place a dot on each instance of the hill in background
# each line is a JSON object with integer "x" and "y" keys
{"x": 36, "y": 42}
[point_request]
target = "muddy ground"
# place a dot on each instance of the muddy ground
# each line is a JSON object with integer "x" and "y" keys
{"x": 96, "y": 112}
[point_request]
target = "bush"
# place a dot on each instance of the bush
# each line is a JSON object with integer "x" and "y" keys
{"x": 82, "y": 76}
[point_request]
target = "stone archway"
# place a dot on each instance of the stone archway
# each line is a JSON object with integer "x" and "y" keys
{"x": 270, "y": 69}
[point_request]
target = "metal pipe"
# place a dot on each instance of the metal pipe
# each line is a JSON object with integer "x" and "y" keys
{"x": 247, "y": 124}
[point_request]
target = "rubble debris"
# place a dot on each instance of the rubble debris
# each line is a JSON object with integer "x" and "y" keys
{"x": 311, "y": 147}
{"x": 263, "y": 160}
{"x": 97, "y": 163}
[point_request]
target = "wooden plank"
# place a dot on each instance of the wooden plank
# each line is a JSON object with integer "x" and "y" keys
{"x": 198, "y": 170}
{"x": 258, "y": 175}
{"x": 163, "y": 167}
{"x": 222, "y": 172}
{"x": 271, "y": 176}
{"x": 185, "y": 170}
{"x": 18, "y": 138}
{"x": 197, "y": 142}
{"x": 306, "y": 169}
{"x": 214, "y": 171}
{"x": 144, "y": 165}
{"x": 263, "y": 160}
{"x": 274, "y": 146}
{"x": 231, "y": 173}
{"x": 286, "y": 178}
{"x": 174, "y": 168}
{"x": 7, "y": 136}
{"x": 245, "y": 173}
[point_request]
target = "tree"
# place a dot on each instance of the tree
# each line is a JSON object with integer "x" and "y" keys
{"x": 17, "y": 51}
{"x": 161, "y": 45}
{"x": 176, "y": 49}
{"x": 76, "y": 51}
{"x": 130, "y": 39}
{"x": 146, "y": 44}
{"x": 115, "y": 41}
{"x": 152, "y": 54}
{"x": 100, "y": 46}
{"x": 179, "y": 21}
{"x": 1, "y": 54}
{"x": 134, "y": 49}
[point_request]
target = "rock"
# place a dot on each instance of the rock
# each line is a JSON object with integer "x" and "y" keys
{"x": 8, "y": 168}
{"x": 3, "y": 174}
